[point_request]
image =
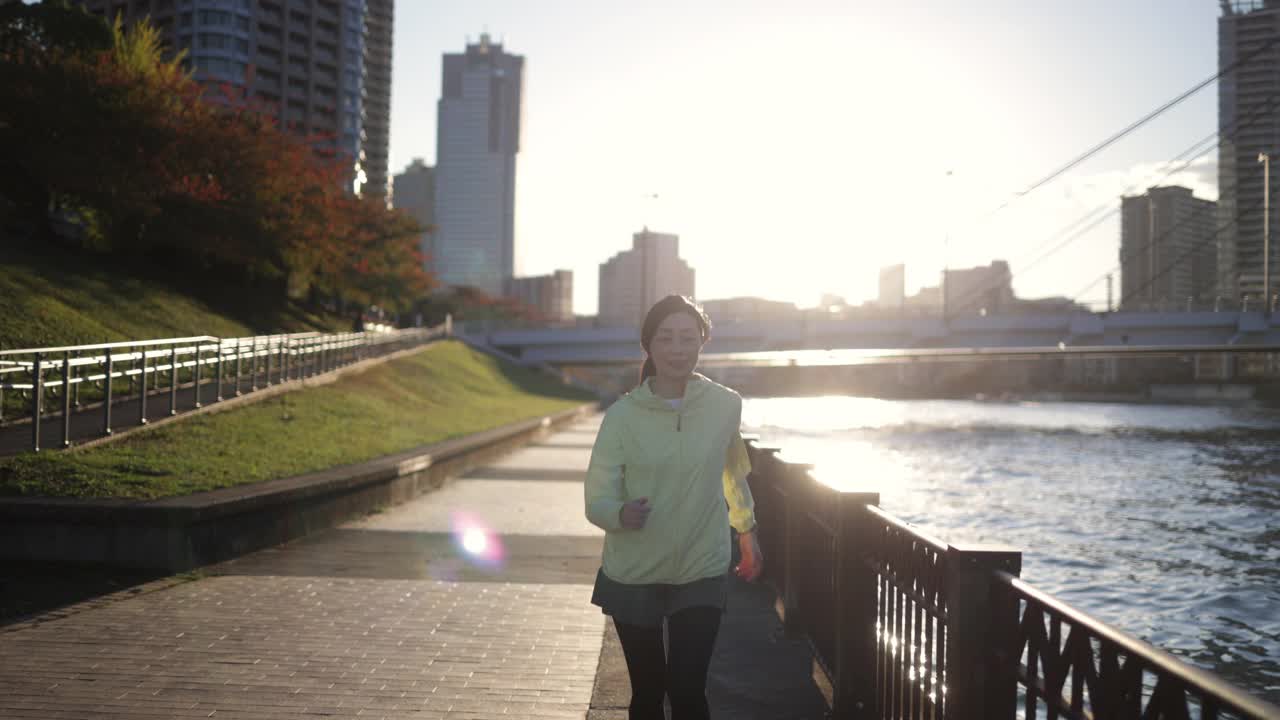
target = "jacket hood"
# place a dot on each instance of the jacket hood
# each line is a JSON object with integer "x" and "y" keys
{"x": 698, "y": 386}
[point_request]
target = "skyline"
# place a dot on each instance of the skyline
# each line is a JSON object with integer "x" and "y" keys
{"x": 747, "y": 111}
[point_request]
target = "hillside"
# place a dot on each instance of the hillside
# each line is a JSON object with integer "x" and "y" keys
{"x": 49, "y": 299}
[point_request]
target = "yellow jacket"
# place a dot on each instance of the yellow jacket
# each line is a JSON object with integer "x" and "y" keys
{"x": 689, "y": 462}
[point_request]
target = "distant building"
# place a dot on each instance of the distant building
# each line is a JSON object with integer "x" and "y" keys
{"x": 323, "y": 68}
{"x": 379, "y": 26}
{"x": 550, "y": 295}
{"x": 731, "y": 311}
{"x": 633, "y": 280}
{"x": 893, "y": 287}
{"x": 1057, "y": 304}
{"x": 926, "y": 299}
{"x": 414, "y": 191}
{"x": 1247, "y": 30}
{"x": 977, "y": 290}
{"x": 1167, "y": 254}
{"x": 478, "y": 136}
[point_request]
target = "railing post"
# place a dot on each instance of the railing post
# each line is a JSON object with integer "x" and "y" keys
{"x": 142, "y": 396}
{"x": 37, "y": 400}
{"x": 854, "y": 683}
{"x": 792, "y": 474}
{"x": 268, "y": 362}
{"x": 106, "y": 406}
{"x": 237, "y": 366}
{"x": 253, "y": 365}
{"x": 975, "y": 689}
{"x": 173, "y": 380}
{"x": 66, "y": 399}
{"x": 195, "y": 375}
{"x": 217, "y": 396}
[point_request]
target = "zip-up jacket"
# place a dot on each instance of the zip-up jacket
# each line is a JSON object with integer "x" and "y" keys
{"x": 689, "y": 462}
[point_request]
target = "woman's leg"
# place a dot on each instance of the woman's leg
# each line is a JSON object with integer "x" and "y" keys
{"x": 692, "y": 636}
{"x": 646, "y": 664}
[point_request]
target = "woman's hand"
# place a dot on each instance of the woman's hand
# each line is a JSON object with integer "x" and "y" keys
{"x": 752, "y": 559}
{"x": 634, "y": 514}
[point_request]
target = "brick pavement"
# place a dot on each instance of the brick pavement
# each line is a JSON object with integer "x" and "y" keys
{"x": 386, "y": 617}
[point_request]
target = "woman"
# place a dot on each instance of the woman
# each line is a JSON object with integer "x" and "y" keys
{"x": 667, "y": 458}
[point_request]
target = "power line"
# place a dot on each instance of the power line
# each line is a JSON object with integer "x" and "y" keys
{"x": 1127, "y": 130}
{"x": 1257, "y": 112}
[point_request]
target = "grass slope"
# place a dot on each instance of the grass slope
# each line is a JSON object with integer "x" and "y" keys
{"x": 448, "y": 390}
{"x": 49, "y": 299}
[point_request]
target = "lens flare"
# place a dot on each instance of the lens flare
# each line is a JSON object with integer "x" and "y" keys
{"x": 474, "y": 541}
{"x": 477, "y": 544}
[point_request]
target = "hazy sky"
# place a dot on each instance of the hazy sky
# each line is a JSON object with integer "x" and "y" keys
{"x": 797, "y": 147}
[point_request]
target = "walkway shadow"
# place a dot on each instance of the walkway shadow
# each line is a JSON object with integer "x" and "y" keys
{"x": 28, "y": 589}
{"x": 399, "y": 555}
{"x": 758, "y": 671}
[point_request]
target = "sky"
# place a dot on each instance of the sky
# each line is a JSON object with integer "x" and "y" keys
{"x": 796, "y": 148}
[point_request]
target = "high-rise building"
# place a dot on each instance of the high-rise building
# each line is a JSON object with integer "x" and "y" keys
{"x": 478, "y": 137}
{"x": 322, "y": 66}
{"x": 414, "y": 191}
{"x": 1167, "y": 253}
{"x": 379, "y": 24}
{"x": 550, "y": 295}
{"x": 983, "y": 289}
{"x": 1248, "y": 124}
{"x": 893, "y": 287}
{"x": 633, "y": 280}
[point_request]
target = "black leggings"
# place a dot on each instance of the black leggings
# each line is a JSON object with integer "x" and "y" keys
{"x": 681, "y": 674}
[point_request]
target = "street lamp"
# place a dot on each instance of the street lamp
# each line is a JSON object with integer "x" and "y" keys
{"x": 1265, "y": 159}
{"x": 946, "y": 240}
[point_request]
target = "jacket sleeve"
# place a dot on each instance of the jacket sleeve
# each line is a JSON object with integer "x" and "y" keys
{"x": 742, "y": 514}
{"x": 602, "y": 490}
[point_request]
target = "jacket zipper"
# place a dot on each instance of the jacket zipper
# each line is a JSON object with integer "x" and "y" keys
{"x": 680, "y": 464}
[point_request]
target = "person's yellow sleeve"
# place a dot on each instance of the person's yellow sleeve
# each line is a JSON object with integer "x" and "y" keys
{"x": 742, "y": 513}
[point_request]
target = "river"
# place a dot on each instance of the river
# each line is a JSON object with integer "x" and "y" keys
{"x": 1161, "y": 520}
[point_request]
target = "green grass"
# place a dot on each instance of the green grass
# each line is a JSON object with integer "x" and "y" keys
{"x": 446, "y": 391}
{"x": 49, "y": 299}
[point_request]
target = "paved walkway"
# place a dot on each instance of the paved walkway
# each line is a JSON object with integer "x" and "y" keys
{"x": 391, "y": 617}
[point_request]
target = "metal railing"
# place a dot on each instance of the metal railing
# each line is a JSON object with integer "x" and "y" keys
{"x": 907, "y": 626}
{"x": 40, "y": 384}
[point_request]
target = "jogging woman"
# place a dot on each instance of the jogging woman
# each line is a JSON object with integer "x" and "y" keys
{"x": 666, "y": 481}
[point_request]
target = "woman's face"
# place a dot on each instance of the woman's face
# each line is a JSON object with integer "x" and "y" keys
{"x": 675, "y": 346}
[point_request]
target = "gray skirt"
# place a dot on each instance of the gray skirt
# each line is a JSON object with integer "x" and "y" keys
{"x": 649, "y": 603}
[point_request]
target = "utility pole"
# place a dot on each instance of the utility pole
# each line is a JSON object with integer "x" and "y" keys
{"x": 1265, "y": 159}
{"x": 1108, "y": 292}
{"x": 946, "y": 240}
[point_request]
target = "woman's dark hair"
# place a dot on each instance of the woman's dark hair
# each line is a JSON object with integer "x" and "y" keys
{"x": 661, "y": 310}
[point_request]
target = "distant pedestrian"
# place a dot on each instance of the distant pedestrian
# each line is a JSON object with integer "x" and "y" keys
{"x": 357, "y": 325}
{"x": 666, "y": 481}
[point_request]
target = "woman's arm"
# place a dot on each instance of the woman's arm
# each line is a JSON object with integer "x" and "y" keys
{"x": 602, "y": 490}
{"x": 742, "y": 514}
{"x": 737, "y": 464}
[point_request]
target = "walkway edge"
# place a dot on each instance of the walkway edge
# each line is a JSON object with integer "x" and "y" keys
{"x": 182, "y": 533}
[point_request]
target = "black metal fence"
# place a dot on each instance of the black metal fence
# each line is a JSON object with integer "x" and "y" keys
{"x": 43, "y": 384}
{"x": 906, "y": 626}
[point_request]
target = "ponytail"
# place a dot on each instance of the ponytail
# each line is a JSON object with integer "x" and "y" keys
{"x": 647, "y": 370}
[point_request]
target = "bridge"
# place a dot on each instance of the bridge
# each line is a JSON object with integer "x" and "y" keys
{"x": 1077, "y": 333}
